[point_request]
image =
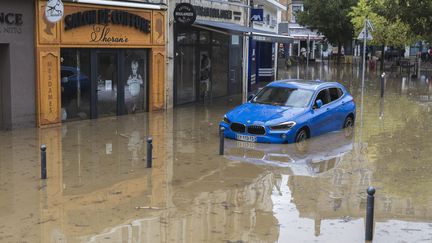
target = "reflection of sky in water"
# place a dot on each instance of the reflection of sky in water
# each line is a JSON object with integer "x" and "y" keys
{"x": 295, "y": 227}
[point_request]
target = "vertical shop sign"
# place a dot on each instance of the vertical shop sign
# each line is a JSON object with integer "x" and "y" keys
{"x": 49, "y": 106}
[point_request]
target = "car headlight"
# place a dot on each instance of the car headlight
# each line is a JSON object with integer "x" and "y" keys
{"x": 283, "y": 126}
{"x": 226, "y": 120}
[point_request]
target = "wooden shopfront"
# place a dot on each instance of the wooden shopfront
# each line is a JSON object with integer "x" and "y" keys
{"x": 99, "y": 61}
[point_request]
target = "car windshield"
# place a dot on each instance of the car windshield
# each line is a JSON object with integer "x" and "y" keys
{"x": 281, "y": 96}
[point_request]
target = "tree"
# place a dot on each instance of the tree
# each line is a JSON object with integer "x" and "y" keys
{"x": 386, "y": 32}
{"x": 329, "y": 18}
{"x": 417, "y": 14}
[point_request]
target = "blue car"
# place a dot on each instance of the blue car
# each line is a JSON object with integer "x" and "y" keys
{"x": 289, "y": 111}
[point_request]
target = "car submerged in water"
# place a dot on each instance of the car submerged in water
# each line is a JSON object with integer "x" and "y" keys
{"x": 290, "y": 111}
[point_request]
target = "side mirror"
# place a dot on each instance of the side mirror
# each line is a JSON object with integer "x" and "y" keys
{"x": 251, "y": 96}
{"x": 318, "y": 104}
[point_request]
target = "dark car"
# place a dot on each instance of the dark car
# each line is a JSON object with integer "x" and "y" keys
{"x": 393, "y": 54}
{"x": 71, "y": 79}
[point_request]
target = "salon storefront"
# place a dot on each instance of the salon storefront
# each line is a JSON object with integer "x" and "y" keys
{"x": 99, "y": 61}
{"x": 208, "y": 53}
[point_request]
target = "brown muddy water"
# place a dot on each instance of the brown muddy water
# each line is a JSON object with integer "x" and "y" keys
{"x": 99, "y": 189}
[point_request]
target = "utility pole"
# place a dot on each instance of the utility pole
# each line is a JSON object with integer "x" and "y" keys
{"x": 364, "y": 52}
{"x": 245, "y": 56}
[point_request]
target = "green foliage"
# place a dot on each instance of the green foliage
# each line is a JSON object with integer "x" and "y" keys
{"x": 328, "y": 17}
{"x": 386, "y": 32}
{"x": 417, "y": 14}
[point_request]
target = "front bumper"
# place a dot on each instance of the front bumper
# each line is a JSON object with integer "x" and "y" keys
{"x": 287, "y": 136}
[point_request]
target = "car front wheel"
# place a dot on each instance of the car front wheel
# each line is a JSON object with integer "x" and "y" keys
{"x": 301, "y": 136}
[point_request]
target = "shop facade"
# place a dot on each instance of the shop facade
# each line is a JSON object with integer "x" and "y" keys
{"x": 208, "y": 53}
{"x": 17, "y": 65}
{"x": 99, "y": 61}
{"x": 263, "y": 45}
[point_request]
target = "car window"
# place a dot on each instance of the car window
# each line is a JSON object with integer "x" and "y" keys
{"x": 323, "y": 96}
{"x": 283, "y": 96}
{"x": 335, "y": 93}
{"x": 66, "y": 73}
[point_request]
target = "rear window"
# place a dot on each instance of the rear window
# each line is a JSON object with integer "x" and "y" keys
{"x": 335, "y": 93}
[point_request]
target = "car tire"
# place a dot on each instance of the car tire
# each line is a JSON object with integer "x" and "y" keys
{"x": 349, "y": 122}
{"x": 348, "y": 126}
{"x": 301, "y": 136}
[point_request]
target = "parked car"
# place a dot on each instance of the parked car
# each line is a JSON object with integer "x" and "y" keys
{"x": 69, "y": 82}
{"x": 392, "y": 54}
{"x": 289, "y": 111}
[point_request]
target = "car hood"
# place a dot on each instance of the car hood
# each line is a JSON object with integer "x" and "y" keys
{"x": 253, "y": 113}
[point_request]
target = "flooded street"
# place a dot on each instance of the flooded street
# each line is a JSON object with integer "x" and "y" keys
{"x": 99, "y": 189}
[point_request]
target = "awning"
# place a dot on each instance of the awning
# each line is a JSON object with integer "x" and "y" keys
{"x": 270, "y": 37}
{"x": 231, "y": 28}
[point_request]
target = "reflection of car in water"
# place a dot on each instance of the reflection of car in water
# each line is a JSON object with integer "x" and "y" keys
{"x": 310, "y": 158}
{"x": 69, "y": 82}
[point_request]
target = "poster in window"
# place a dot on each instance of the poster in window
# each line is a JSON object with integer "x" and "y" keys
{"x": 134, "y": 83}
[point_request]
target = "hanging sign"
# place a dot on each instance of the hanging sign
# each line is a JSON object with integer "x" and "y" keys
{"x": 54, "y": 11}
{"x": 257, "y": 14}
{"x": 184, "y": 13}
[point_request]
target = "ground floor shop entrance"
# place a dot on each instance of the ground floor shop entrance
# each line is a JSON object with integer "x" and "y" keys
{"x": 103, "y": 82}
{"x": 207, "y": 64}
{"x": 4, "y": 80}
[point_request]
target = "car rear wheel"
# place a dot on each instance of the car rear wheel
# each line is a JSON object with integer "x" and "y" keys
{"x": 301, "y": 136}
{"x": 349, "y": 122}
{"x": 348, "y": 126}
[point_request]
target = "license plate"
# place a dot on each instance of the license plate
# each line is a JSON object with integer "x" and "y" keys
{"x": 241, "y": 144}
{"x": 246, "y": 138}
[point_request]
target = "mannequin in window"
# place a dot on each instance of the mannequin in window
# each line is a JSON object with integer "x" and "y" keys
{"x": 134, "y": 83}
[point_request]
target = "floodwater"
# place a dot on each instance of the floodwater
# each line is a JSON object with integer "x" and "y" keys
{"x": 99, "y": 189}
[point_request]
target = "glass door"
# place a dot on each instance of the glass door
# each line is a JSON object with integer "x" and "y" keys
{"x": 106, "y": 83}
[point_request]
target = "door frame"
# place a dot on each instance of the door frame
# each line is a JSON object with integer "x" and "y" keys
{"x": 93, "y": 84}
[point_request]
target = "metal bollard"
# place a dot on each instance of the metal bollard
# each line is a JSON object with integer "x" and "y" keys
{"x": 149, "y": 152}
{"x": 370, "y": 213}
{"x": 43, "y": 161}
{"x": 382, "y": 84}
{"x": 221, "y": 140}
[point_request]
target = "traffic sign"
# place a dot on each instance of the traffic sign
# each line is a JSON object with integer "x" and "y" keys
{"x": 363, "y": 34}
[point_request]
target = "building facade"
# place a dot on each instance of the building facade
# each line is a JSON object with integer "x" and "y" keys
{"x": 99, "y": 60}
{"x": 263, "y": 48}
{"x": 208, "y": 53}
{"x": 305, "y": 41}
{"x": 17, "y": 65}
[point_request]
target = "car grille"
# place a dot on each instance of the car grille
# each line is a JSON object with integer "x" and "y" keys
{"x": 238, "y": 127}
{"x": 256, "y": 130}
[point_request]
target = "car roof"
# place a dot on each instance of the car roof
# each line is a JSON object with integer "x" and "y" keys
{"x": 304, "y": 84}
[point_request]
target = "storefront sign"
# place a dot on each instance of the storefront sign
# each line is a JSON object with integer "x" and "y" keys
{"x": 257, "y": 14}
{"x": 54, "y": 11}
{"x": 11, "y": 23}
{"x": 213, "y": 12}
{"x": 106, "y": 17}
{"x": 184, "y": 13}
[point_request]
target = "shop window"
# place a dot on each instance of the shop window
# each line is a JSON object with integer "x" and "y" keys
{"x": 220, "y": 39}
{"x": 187, "y": 37}
{"x": 135, "y": 80}
{"x": 204, "y": 37}
{"x": 75, "y": 84}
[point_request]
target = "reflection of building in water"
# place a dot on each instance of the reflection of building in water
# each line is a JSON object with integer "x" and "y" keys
{"x": 92, "y": 193}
